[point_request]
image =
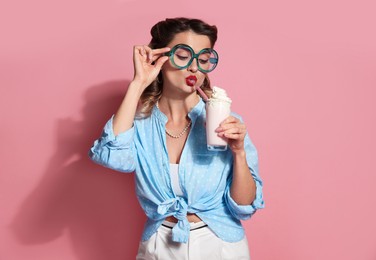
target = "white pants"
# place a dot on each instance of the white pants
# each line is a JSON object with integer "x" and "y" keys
{"x": 202, "y": 244}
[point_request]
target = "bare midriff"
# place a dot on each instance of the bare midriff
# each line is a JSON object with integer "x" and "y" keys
{"x": 191, "y": 218}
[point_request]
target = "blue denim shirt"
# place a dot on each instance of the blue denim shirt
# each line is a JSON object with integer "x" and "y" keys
{"x": 205, "y": 176}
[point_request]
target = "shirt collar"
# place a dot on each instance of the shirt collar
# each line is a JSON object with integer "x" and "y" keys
{"x": 193, "y": 114}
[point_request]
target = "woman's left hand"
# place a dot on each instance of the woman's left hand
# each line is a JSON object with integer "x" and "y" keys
{"x": 235, "y": 131}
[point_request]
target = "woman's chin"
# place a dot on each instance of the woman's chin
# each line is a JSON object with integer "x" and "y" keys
{"x": 180, "y": 89}
{"x": 187, "y": 89}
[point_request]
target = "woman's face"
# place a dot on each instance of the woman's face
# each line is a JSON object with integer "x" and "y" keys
{"x": 185, "y": 80}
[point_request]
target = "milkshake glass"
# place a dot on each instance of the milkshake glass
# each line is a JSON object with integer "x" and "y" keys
{"x": 218, "y": 108}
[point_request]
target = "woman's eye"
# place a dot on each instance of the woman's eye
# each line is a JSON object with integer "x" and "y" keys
{"x": 181, "y": 57}
{"x": 202, "y": 61}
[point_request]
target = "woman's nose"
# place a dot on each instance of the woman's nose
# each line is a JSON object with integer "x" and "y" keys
{"x": 193, "y": 67}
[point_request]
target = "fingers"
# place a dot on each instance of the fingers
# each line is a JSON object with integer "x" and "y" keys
{"x": 161, "y": 50}
{"x": 230, "y": 122}
{"x": 230, "y": 119}
{"x": 232, "y": 128}
{"x": 144, "y": 51}
{"x": 157, "y": 54}
{"x": 240, "y": 130}
{"x": 160, "y": 62}
{"x": 233, "y": 133}
{"x": 148, "y": 54}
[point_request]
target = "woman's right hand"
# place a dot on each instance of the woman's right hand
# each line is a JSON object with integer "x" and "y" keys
{"x": 147, "y": 63}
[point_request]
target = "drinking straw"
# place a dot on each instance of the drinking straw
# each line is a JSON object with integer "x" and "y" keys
{"x": 202, "y": 93}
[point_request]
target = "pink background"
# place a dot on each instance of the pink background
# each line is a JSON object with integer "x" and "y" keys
{"x": 302, "y": 74}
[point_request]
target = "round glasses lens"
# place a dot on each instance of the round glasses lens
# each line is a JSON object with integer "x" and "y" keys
{"x": 182, "y": 56}
{"x": 207, "y": 60}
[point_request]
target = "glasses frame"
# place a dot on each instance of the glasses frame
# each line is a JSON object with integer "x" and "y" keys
{"x": 194, "y": 56}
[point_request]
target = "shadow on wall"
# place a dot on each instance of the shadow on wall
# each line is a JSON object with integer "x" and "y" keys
{"x": 96, "y": 208}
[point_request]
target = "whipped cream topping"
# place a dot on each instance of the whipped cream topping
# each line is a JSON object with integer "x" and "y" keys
{"x": 219, "y": 94}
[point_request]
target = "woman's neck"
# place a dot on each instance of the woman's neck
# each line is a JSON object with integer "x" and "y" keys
{"x": 177, "y": 108}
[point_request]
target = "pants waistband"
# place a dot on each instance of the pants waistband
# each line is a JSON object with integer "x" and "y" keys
{"x": 194, "y": 225}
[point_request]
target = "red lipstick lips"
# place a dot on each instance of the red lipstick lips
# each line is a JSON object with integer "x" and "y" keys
{"x": 191, "y": 80}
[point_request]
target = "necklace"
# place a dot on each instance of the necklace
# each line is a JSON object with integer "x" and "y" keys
{"x": 181, "y": 133}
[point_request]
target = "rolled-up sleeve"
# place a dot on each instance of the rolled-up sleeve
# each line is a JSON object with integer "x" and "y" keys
{"x": 243, "y": 212}
{"x": 115, "y": 152}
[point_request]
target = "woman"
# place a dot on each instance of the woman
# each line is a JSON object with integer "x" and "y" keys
{"x": 194, "y": 198}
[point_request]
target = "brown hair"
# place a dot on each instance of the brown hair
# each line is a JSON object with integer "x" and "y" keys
{"x": 162, "y": 34}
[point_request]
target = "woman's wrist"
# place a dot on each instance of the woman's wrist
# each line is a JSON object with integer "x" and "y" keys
{"x": 239, "y": 154}
{"x": 137, "y": 86}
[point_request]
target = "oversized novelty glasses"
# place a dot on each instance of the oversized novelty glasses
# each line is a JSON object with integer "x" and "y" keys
{"x": 182, "y": 55}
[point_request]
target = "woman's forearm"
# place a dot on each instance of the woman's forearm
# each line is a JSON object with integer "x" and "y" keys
{"x": 124, "y": 117}
{"x": 243, "y": 187}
